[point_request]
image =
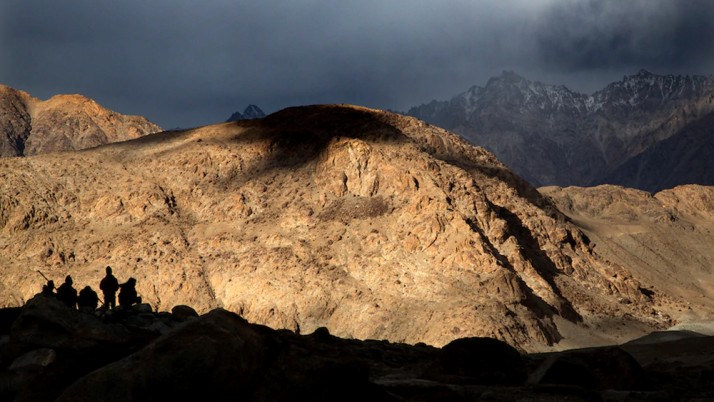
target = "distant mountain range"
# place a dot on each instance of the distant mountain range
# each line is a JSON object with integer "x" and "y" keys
{"x": 250, "y": 112}
{"x": 647, "y": 131}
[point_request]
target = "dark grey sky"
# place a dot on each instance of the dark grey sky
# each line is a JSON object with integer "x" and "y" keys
{"x": 190, "y": 62}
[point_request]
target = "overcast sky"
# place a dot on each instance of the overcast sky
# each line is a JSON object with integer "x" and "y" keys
{"x": 193, "y": 62}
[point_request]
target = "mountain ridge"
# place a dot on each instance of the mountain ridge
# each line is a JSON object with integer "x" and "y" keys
{"x": 551, "y": 135}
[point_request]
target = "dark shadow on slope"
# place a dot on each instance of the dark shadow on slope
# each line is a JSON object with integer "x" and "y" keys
{"x": 537, "y": 305}
{"x": 524, "y": 189}
{"x": 298, "y": 136}
{"x": 538, "y": 258}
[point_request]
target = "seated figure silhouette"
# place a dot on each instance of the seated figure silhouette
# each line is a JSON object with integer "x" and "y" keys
{"x": 49, "y": 288}
{"x": 67, "y": 294}
{"x": 127, "y": 294}
{"x": 109, "y": 286}
{"x": 87, "y": 300}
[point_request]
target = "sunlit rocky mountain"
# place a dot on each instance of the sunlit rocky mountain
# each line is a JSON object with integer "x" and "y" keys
{"x": 371, "y": 224}
{"x": 326, "y": 222}
{"x": 30, "y": 126}
{"x": 551, "y": 135}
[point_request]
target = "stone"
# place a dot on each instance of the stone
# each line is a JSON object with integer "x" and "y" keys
{"x": 183, "y": 312}
{"x": 478, "y": 361}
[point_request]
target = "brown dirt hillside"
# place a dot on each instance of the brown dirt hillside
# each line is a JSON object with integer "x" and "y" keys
{"x": 29, "y": 126}
{"x": 372, "y": 224}
{"x": 665, "y": 240}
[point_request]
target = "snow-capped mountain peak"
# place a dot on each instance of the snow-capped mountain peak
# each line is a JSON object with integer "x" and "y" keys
{"x": 645, "y": 89}
{"x": 552, "y": 135}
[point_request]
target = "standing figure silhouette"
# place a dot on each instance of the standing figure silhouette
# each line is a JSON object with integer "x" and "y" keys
{"x": 67, "y": 294}
{"x": 109, "y": 286}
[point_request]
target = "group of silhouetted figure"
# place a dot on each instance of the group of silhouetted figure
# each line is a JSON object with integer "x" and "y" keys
{"x": 87, "y": 299}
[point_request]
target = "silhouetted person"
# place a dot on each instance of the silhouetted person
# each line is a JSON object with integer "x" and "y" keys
{"x": 49, "y": 288}
{"x": 109, "y": 286}
{"x": 67, "y": 294}
{"x": 87, "y": 300}
{"x": 127, "y": 293}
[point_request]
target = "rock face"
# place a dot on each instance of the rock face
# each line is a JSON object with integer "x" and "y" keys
{"x": 29, "y": 126}
{"x": 371, "y": 224}
{"x": 553, "y": 136}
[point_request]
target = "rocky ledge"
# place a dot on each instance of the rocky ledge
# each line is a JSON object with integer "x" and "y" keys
{"x": 51, "y": 352}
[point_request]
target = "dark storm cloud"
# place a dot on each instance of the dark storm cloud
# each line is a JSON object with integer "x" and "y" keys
{"x": 186, "y": 62}
{"x": 189, "y": 62}
{"x": 606, "y": 34}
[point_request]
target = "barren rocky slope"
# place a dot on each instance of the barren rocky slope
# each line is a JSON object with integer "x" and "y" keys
{"x": 664, "y": 240}
{"x": 371, "y": 224}
{"x": 29, "y": 126}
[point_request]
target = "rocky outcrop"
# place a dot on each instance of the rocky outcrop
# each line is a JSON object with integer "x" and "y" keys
{"x": 551, "y": 135}
{"x": 30, "y": 126}
{"x": 15, "y": 121}
{"x": 374, "y": 225}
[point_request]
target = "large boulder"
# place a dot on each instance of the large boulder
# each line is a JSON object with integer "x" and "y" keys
{"x": 478, "y": 361}
{"x": 183, "y": 312}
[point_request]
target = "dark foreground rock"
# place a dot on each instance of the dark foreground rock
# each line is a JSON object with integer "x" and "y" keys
{"x": 50, "y": 352}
